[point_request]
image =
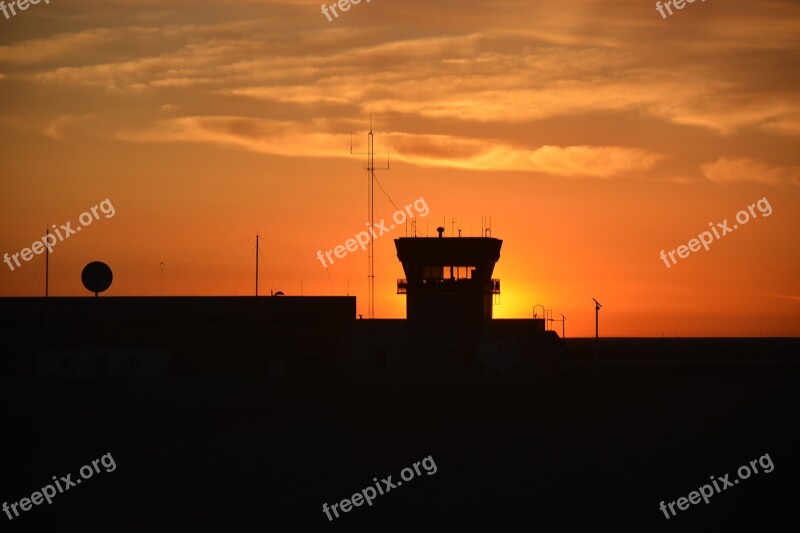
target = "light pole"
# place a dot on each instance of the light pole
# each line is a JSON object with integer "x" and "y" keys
{"x": 597, "y": 307}
{"x": 596, "y": 319}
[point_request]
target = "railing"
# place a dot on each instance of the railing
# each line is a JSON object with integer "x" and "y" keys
{"x": 491, "y": 287}
{"x": 494, "y": 286}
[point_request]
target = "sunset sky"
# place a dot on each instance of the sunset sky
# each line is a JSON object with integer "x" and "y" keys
{"x": 594, "y": 133}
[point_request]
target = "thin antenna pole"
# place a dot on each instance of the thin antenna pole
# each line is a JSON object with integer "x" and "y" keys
{"x": 47, "y": 267}
{"x": 47, "y": 284}
{"x": 256, "y": 262}
{"x": 371, "y": 212}
{"x": 597, "y": 307}
{"x": 371, "y": 208}
{"x": 162, "y": 278}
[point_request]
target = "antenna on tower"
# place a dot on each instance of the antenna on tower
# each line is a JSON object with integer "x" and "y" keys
{"x": 370, "y": 168}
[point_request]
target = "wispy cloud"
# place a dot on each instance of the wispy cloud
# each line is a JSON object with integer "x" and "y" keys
{"x": 726, "y": 170}
{"x": 55, "y": 129}
{"x": 485, "y": 91}
{"x": 786, "y": 297}
{"x": 296, "y": 139}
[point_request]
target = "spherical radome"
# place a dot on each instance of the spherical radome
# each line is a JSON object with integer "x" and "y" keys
{"x": 97, "y": 277}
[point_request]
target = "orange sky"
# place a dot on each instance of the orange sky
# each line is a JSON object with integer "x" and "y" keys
{"x": 594, "y": 133}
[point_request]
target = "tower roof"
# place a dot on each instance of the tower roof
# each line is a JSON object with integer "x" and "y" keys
{"x": 444, "y": 251}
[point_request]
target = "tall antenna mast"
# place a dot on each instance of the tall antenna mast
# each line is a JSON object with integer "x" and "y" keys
{"x": 371, "y": 209}
{"x": 370, "y": 168}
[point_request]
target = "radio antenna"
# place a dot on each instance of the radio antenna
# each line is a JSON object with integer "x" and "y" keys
{"x": 370, "y": 168}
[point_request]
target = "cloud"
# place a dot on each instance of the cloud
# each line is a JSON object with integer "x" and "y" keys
{"x": 288, "y": 138}
{"x": 474, "y": 154}
{"x": 503, "y": 76}
{"x": 726, "y": 170}
{"x": 786, "y": 297}
{"x": 787, "y": 125}
{"x": 498, "y": 93}
{"x": 55, "y": 129}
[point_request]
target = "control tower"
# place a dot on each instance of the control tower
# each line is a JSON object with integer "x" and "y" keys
{"x": 449, "y": 295}
{"x": 448, "y": 278}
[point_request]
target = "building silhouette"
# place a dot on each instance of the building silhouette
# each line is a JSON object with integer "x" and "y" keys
{"x": 449, "y": 332}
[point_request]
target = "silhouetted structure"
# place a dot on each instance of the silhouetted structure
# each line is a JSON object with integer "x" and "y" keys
{"x": 449, "y": 293}
{"x": 449, "y": 332}
{"x": 183, "y": 336}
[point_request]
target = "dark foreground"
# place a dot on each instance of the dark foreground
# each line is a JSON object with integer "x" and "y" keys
{"x": 580, "y": 453}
